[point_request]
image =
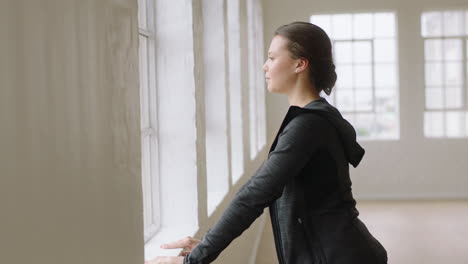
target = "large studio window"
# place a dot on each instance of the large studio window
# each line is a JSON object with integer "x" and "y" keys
{"x": 366, "y": 59}
{"x": 445, "y": 58}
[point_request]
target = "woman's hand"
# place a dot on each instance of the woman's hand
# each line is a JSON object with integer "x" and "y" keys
{"x": 187, "y": 244}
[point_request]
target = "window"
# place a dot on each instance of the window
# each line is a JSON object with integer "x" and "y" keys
{"x": 222, "y": 68}
{"x": 235, "y": 94}
{"x": 215, "y": 103}
{"x": 198, "y": 109}
{"x": 180, "y": 140}
{"x": 445, "y": 36}
{"x": 256, "y": 78}
{"x": 365, "y": 53}
{"x": 149, "y": 140}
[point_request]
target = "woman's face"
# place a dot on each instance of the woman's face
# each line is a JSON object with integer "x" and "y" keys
{"x": 280, "y": 67}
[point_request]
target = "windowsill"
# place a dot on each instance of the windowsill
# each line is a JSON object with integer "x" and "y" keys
{"x": 445, "y": 137}
{"x": 389, "y": 139}
{"x": 165, "y": 235}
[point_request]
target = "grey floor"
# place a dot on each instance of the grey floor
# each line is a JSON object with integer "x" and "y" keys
{"x": 413, "y": 232}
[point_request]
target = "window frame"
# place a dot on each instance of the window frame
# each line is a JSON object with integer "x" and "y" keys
{"x": 236, "y": 126}
{"x": 150, "y": 131}
{"x": 443, "y": 111}
{"x": 352, "y": 115}
{"x": 256, "y": 81}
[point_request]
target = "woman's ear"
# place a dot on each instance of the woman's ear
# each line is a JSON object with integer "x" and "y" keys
{"x": 301, "y": 65}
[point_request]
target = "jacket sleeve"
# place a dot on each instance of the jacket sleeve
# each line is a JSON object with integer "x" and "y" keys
{"x": 296, "y": 143}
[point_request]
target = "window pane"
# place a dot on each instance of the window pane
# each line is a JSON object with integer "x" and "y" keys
{"x": 146, "y": 178}
{"x": 385, "y": 100}
{"x": 431, "y": 24}
{"x": 144, "y": 94}
{"x": 433, "y": 73}
{"x": 323, "y": 21}
{"x": 364, "y": 124}
{"x": 433, "y": 124}
{"x": 453, "y": 97}
{"x": 342, "y": 26}
{"x": 362, "y": 52}
{"x": 329, "y": 98}
{"x": 384, "y": 50}
{"x": 453, "y": 23}
{"x": 345, "y": 76}
{"x": 453, "y": 73}
{"x": 365, "y": 55}
{"x": 362, "y": 76}
{"x": 434, "y": 98}
{"x": 364, "y": 100}
{"x": 345, "y": 100}
{"x": 362, "y": 26}
{"x": 385, "y": 75}
{"x": 386, "y": 125}
{"x": 343, "y": 52}
{"x": 384, "y": 25}
{"x": 453, "y": 49}
{"x": 433, "y": 50}
{"x": 466, "y": 122}
{"x": 142, "y": 19}
{"x": 350, "y": 117}
{"x": 466, "y": 23}
{"x": 454, "y": 124}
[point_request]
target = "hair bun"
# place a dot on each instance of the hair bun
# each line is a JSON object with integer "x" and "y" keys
{"x": 325, "y": 77}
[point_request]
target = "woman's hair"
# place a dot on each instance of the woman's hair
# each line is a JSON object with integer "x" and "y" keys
{"x": 306, "y": 40}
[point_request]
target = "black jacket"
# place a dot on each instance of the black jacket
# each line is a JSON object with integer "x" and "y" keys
{"x": 305, "y": 182}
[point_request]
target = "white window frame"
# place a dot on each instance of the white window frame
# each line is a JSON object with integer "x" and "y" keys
{"x": 350, "y": 115}
{"x": 235, "y": 89}
{"x": 148, "y": 99}
{"x": 216, "y": 102}
{"x": 257, "y": 107}
{"x": 444, "y": 111}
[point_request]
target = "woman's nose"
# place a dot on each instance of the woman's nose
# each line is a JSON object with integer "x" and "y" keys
{"x": 265, "y": 67}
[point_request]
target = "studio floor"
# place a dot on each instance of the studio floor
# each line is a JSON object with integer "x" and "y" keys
{"x": 413, "y": 232}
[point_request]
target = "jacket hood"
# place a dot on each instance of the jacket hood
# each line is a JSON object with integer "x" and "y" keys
{"x": 354, "y": 152}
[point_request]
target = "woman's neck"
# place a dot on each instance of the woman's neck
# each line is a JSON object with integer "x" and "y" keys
{"x": 302, "y": 95}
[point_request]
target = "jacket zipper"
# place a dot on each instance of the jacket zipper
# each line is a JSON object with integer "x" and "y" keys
{"x": 276, "y": 232}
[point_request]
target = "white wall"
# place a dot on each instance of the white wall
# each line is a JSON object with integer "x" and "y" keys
{"x": 70, "y": 183}
{"x": 414, "y": 166}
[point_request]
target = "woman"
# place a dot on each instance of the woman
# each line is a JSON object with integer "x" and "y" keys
{"x": 305, "y": 180}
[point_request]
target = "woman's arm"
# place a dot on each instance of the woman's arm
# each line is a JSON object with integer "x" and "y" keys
{"x": 296, "y": 143}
